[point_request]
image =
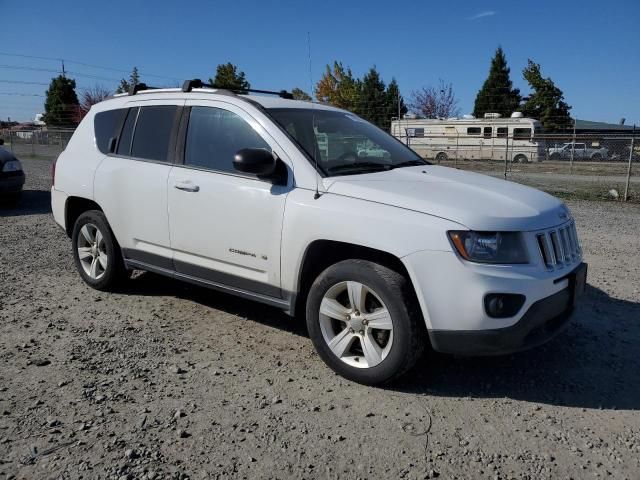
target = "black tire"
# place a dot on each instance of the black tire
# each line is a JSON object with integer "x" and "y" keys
{"x": 396, "y": 292}
{"x": 115, "y": 272}
{"x": 442, "y": 157}
{"x": 520, "y": 158}
{"x": 596, "y": 157}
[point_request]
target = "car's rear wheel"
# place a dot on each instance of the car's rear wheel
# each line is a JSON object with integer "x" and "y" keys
{"x": 363, "y": 320}
{"x": 96, "y": 252}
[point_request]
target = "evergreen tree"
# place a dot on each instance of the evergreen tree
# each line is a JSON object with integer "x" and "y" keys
{"x": 337, "y": 87}
{"x": 374, "y": 102}
{"x": 61, "y": 106}
{"x": 125, "y": 85}
{"x": 546, "y": 101}
{"x": 299, "y": 94}
{"x": 497, "y": 94}
{"x": 393, "y": 97}
{"x": 228, "y": 76}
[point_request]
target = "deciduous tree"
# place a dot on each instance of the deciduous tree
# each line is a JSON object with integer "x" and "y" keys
{"x": 337, "y": 87}
{"x": 91, "y": 96}
{"x": 435, "y": 102}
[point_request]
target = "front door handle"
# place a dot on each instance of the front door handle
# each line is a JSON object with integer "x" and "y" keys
{"x": 186, "y": 186}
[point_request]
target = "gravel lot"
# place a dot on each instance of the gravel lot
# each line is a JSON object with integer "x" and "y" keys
{"x": 166, "y": 380}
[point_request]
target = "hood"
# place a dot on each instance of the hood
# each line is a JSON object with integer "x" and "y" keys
{"x": 479, "y": 202}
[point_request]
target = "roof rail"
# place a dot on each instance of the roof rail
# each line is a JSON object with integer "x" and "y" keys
{"x": 188, "y": 85}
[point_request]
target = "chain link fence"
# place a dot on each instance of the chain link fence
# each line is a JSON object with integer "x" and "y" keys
{"x": 589, "y": 166}
{"x": 44, "y": 143}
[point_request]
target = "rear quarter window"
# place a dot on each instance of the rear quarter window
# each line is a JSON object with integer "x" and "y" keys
{"x": 107, "y": 125}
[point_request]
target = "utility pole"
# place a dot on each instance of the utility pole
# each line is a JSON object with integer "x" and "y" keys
{"x": 573, "y": 146}
{"x": 626, "y": 188}
{"x": 63, "y": 70}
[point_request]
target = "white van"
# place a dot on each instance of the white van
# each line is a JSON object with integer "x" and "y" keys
{"x": 489, "y": 138}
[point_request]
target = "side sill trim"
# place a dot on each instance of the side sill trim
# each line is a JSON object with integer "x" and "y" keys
{"x": 275, "y": 302}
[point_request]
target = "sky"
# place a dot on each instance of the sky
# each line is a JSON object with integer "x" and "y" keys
{"x": 591, "y": 49}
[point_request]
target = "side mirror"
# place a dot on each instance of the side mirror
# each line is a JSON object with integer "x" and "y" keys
{"x": 257, "y": 161}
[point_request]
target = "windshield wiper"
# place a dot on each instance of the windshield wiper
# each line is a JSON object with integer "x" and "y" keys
{"x": 409, "y": 163}
{"x": 360, "y": 166}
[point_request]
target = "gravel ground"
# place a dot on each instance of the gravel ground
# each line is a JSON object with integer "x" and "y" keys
{"x": 167, "y": 380}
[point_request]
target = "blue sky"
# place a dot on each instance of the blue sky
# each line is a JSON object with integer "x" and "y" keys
{"x": 591, "y": 49}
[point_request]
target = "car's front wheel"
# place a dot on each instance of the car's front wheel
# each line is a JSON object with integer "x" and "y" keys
{"x": 96, "y": 252}
{"x": 364, "y": 322}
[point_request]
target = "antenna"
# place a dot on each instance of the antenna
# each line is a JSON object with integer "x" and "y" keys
{"x": 313, "y": 121}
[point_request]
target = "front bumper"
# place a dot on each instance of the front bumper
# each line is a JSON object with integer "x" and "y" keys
{"x": 12, "y": 183}
{"x": 540, "y": 323}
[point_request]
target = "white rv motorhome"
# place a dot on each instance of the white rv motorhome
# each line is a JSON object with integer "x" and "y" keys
{"x": 489, "y": 138}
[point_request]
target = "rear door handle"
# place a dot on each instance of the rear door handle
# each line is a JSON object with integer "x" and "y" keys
{"x": 186, "y": 186}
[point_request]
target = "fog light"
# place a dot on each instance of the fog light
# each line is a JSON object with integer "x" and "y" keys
{"x": 503, "y": 305}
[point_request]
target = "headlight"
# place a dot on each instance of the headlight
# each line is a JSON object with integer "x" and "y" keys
{"x": 489, "y": 247}
{"x": 12, "y": 166}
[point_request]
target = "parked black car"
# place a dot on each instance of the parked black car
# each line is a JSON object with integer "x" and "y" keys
{"x": 11, "y": 176}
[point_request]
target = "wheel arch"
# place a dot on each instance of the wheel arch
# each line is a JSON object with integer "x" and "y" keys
{"x": 322, "y": 253}
{"x": 74, "y": 207}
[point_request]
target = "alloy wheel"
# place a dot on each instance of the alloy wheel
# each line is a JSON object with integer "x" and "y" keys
{"x": 356, "y": 324}
{"x": 92, "y": 251}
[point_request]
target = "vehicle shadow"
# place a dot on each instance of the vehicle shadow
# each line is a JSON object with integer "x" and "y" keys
{"x": 592, "y": 364}
{"x": 595, "y": 363}
{"x": 32, "y": 202}
{"x": 151, "y": 284}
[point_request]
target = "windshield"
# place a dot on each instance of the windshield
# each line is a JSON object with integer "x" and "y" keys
{"x": 343, "y": 143}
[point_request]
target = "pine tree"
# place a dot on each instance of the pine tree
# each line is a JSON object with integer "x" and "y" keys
{"x": 497, "y": 94}
{"x": 374, "y": 103}
{"x": 392, "y": 100}
{"x": 228, "y": 76}
{"x": 125, "y": 85}
{"x": 299, "y": 94}
{"x": 61, "y": 106}
{"x": 546, "y": 102}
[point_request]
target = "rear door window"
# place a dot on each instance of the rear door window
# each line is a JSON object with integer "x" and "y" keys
{"x": 153, "y": 131}
{"x": 106, "y": 125}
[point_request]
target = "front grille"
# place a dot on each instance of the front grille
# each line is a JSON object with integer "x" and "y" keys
{"x": 559, "y": 247}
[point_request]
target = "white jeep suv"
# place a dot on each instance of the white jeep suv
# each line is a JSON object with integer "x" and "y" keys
{"x": 278, "y": 201}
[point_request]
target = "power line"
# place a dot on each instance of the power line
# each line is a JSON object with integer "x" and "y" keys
{"x": 22, "y": 94}
{"x": 87, "y": 65}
